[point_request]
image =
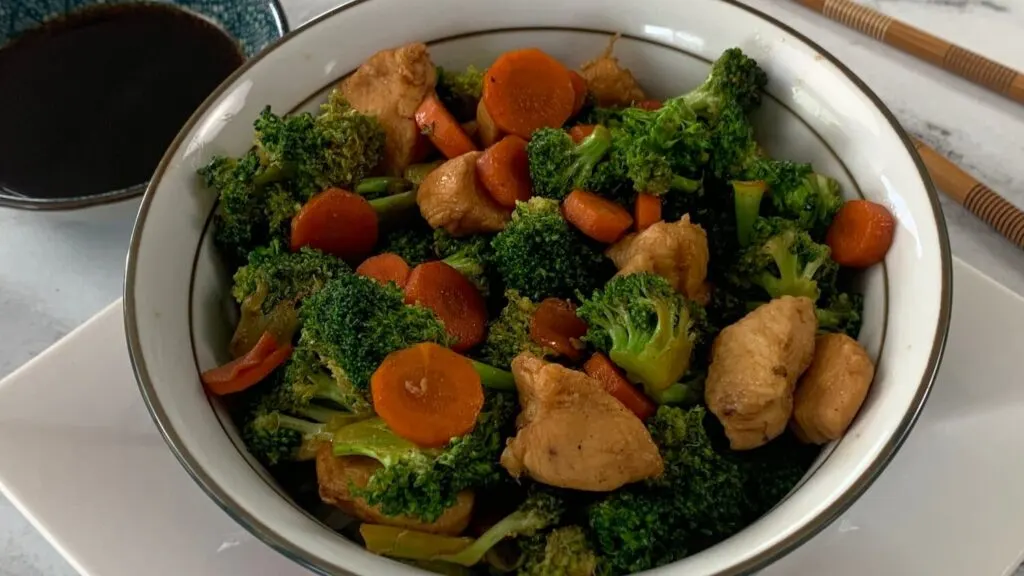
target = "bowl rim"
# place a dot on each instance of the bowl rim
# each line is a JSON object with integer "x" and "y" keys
{"x": 758, "y": 561}
{"x": 11, "y": 199}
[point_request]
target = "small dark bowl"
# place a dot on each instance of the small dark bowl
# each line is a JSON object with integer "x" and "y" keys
{"x": 254, "y": 24}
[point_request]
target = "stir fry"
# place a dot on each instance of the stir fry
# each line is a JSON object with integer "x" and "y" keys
{"x": 525, "y": 319}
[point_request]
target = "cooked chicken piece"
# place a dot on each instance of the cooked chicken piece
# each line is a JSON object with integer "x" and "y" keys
{"x": 573, "y": 434}
{"x": 754, "y": 367}
{"x": 832, "y": 390}
{"x": 335, "y": 474}
{"x": 390, "y": 85}
{"x": 609, "y": 83}
{"x": 452, "y": 197}
{"x": 677, "y": 251}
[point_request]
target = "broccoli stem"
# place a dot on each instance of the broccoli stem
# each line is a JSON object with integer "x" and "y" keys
{"x": 747, "y": 200}
{"x": 684, "y": 184}
{"x": 409, "y": 544}
{"x": 494, "y": 378}
{"x": 382, "y": 186}
{"x": 394, "y": 203}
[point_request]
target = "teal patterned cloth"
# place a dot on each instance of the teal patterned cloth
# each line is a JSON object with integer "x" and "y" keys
{"x": 254, "y": 23}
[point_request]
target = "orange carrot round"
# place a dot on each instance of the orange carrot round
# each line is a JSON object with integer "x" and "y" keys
{"x": 248, "y": 370}
{"x": 648, "y": 104}
{"x": 556, "y": 326}
{"x": 427, "y": 394}
{"x": 581, "y": 131}
{"x": 338, "y": 222}
{"x": 600, "y": 368}
{"x": 525, "y": 90}
{"x": 597, "y": 217}
{"x": 385, "y": 268}
{"x": 861, "y": 234}
{"x": 443, "y": 130}
{"x": 505, "y": 171}
{"x": 579, "y": 87}
{"x": 647, "y": 211}
{"x": 454, "y": 299}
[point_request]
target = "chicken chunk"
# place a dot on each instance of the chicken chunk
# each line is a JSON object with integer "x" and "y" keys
{"x": 452, "y": 197}
{"x": 610, "y": 83}
{"x": 573, "y": 434}
{"x": 336, "y": 473}
{"x": 390, "y": 85}
{"x": 676, "y": 251}
{"x": 754, "y": 368}
{"x": 830, "y": 393}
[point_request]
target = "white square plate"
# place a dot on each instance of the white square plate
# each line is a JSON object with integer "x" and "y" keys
{"x": 80, "y": 457}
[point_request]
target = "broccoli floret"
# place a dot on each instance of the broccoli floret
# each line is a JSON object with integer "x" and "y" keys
{"x": 424, "y": 483}
{"x": 244, "y": 211}
{"x": 558, "y": 165}
{"x": 783, "y": 260}
{"x": 292, "y": 417}
{"x": 663, "y": 147}
{"x": 470, "y": 256}
{"x": 414, "y": 242}
{"x": 841, "y": 313}
{"x": 354, "y": 322}
{"x": 698, "y": 501}
{"x": 538, "y": 512}
{"x": 460, "y": 91}
{"x": 771, "y": 471}
{"x": 270, "y": 287}
{"x": 540, "y": 255}
{"x": 734, "y": 78}
{"x": 561, "y": 552}
{"x": 309, "y": 381}
{"x": 812, "y": 202}
{"x": 339, "y": 147}
{"x": 646, "y": 327}
{"x": 509, "y": 334}
{"x": 274, "y": 438}
{"x": 293, "y": 159}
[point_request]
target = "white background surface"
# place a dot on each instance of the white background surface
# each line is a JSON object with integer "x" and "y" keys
{"x": 57, "y": 270}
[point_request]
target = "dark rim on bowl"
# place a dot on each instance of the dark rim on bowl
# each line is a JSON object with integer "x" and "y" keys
{"x": 11, "y": 199}
{"x": 758, "y": 561}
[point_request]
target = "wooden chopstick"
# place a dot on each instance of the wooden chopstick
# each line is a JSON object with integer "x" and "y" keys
{"x": 960, "y": 61}
{"x": 976, "y": 197}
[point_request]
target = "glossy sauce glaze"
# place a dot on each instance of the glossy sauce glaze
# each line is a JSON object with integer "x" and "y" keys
{"x": 91, "y": 101}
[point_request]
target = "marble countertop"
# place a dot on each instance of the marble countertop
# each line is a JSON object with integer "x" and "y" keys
{"x": 61, "y": 268}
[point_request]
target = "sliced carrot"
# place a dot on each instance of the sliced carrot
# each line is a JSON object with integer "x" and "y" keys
{"x": 579, "y": 86}
{"x": 443, "y": 130}
{"x": 487, "y": 131}
{"x": 454, "y": 299}
{"x": 597, "y": 217}
{"x": 581, "y": 131}
{"x": 385, "y": 268}
{"x": 861, "y": 234}
{"x": 505, "y": 171}
{"x": 427, "y": 394}
{"x": 648, "y": 104}
{"x": 338, "y": 222}
{"x": 647, "y": 211}
{"x": 248, "y": 370}
{"x": 600, "y": 368}
{"x": 556, "y": 326}
{"x": 525, "y": 90}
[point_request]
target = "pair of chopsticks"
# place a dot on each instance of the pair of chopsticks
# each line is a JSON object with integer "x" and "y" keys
{"x": 979, "y": 199}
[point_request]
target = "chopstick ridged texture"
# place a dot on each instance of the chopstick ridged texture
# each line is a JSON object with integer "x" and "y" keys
{"x": 978, "y": 198}
{"x": 960, "y": 61}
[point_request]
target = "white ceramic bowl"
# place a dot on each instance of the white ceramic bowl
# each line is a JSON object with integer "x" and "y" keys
{"x": 178, "y": 319}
